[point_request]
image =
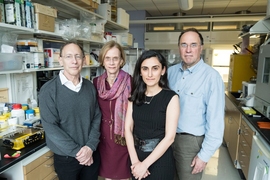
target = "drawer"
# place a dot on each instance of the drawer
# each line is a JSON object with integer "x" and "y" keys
{"x": 52, "y": 176}
{"x": 243, "y": 156}
{"x": 41, "y": 171}
{"x": 247, "y": 133}
{"x": 245, "y": 145}
{"x": 244, "y": 170}
{"x": 29, "y": 167}
{"x": 243, "y": 160}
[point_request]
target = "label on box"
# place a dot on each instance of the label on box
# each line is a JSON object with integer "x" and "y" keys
{"x": 51, "y": 56}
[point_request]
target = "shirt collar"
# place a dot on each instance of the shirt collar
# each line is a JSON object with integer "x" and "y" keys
{"x": 68, "y": 83}
{"x": 63, "y": 78}
{"x": 192, "y": 68}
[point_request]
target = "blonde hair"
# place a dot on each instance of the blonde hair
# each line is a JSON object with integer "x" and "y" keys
{"x": 109, "y": 45}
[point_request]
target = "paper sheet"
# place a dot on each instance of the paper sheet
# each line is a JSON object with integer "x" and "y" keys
{"x": 23, "y": 87}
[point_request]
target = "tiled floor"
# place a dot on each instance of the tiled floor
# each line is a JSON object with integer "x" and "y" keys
{"x": 220, "y": 167}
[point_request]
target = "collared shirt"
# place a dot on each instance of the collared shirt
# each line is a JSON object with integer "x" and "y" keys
{"x": 202, "y": 100}
{"x": 68, "y": 83}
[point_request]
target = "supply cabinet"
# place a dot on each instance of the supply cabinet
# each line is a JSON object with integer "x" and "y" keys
{"x": 40, "y": 168}
{"x": 240, "y": 70}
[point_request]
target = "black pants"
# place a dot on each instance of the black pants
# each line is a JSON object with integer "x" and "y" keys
{"x": 68, "y": 168}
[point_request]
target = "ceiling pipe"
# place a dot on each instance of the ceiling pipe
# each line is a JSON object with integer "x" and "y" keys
{"x": 205, "y": 19}
{"x": 185, "y": 4}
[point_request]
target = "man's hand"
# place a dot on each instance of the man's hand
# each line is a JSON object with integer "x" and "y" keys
{"x": 198, "y": 165}
{"x": 84, "y": 156}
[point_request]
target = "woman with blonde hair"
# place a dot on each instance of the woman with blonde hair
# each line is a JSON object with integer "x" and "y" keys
{"x": 113, "y": 87}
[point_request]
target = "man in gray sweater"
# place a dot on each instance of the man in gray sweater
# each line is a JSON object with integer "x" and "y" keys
{"x": 71, "y": 118}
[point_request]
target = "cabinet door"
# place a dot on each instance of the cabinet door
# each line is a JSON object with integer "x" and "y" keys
{"x": 227, "y": 127}
{"x": 232, "y": 123}
{"x": 233, "y": 139}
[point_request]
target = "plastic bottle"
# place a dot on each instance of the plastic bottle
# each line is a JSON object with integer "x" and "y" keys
{"x": 29, "y": 114}
{"x": 10, "y": 11}
{"x": 6, "y": 112}
{"x": 18, "y": 112}
{"x": 24, "y": 107}
{"x": 3, "y": 121}
{"x": 36, "y": 109}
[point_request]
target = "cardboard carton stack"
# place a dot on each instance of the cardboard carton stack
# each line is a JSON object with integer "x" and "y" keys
{"x": 45, "y": 17}
{"x": 91, "y": 5}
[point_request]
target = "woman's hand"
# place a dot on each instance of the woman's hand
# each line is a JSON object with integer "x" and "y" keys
{"x": 139, "y": 170}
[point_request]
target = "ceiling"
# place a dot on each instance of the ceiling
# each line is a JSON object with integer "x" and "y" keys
{"x": 200, "y": 7}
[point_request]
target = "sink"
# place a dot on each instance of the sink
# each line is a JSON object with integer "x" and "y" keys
{"x": 236, "y": 94}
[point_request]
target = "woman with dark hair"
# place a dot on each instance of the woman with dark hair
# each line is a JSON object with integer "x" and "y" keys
{"x": 151, "y": 119}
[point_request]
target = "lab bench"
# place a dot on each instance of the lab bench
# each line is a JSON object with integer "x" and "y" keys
{"x": 35, "y": 160}
{"x": 243, "y": 131}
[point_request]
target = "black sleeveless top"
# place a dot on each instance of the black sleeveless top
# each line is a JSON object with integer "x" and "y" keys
{"x": 150, "y": 119}
{"x": 149, "y": 122}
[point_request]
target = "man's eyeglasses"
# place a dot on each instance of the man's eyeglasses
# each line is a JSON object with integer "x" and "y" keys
{"x": 71, "y": 57}
{"x": 192, "y": 45}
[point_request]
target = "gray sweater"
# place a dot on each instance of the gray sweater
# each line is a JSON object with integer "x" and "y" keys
{"x": 70, "y": 119}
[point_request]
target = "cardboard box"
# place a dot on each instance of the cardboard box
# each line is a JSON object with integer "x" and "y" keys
{"x": 97, "y": 1}
{"x": 81, "y": 2}
{"x": 44, "y": 17}
{"x": 87, "y": 4}
{"x": 51, "y": 56}
{"x": 105, "y": 11}
{"x": 3, "y": 94}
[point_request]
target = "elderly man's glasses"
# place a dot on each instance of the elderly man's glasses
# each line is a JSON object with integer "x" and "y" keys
{"x": 192, "y": 45}
{"x": 71, "y": 57}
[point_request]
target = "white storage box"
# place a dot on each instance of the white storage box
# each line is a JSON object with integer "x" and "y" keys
{"x": 126, "y": 39}
{"x": 105, "y": 11}
{"x": 11, "y": 61}
{"x": 122, "y": 18}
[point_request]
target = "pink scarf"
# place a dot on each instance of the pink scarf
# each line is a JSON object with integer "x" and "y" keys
{"x": 120, "y": 91}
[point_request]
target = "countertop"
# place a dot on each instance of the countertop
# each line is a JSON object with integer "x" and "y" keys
{"x": 25, "y": 152}
{"x": 265, "y": 133}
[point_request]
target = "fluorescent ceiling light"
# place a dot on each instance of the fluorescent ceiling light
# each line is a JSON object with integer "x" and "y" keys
{"x": 196, "y": 20}
{"x": 168, "y": 28}
{"x": 197, "y": 27}
{"x": 227, "y": 27}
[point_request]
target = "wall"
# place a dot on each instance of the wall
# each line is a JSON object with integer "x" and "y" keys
{"x": 138, "y": 30}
